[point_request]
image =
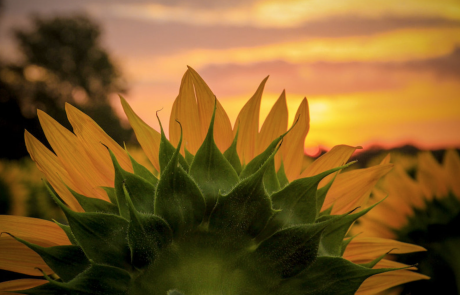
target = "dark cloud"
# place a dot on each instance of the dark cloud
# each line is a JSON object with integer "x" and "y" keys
{"x": 444, "y": 66}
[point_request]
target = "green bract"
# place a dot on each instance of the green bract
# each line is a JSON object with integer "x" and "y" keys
{"x": 206, "y": 226}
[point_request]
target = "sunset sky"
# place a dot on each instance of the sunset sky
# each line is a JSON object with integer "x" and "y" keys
{"x": 381, "y": 72}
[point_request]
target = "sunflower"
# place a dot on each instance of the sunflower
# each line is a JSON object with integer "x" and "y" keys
{"x": 423, "y": 207}
{"x": 223, "y": 211}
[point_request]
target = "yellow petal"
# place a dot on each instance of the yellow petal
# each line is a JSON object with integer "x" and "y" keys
{"x": 247, "y": 123}
{"x": 28, "y": 228}
{"x": 381, "y": 282}
{"x": 73, "y": 157}
{"x": 96, "y": 141}
{"x": 185, "y": 110}
{"x": 362, "y": 248}
{"x": 148, "y": 138}
{"x": 351, "y": 189}
{"x": 57, "y": 176}
{"x": 336, "y": 157}
{"x": 294, "y": 142}
{"x": 21, "y": 284}
{"x": 451, "y": 166}
{"x": 274, "y": 125}
{"x": 17, "y": 257}
{"x": 431, "y": 176}
{"x": 223, "y": 134}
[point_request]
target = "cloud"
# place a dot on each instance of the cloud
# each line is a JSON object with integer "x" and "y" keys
{"x": 279, "y": 13}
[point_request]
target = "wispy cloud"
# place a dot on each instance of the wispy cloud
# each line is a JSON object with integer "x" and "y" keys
{"x": 282, "y": 13}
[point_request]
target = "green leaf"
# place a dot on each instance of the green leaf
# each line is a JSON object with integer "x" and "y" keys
{"x": 291, "y": 250}
{"x": 147, "y": 235}
{"x": 331, "y": 243}
{"x": 142, "y": 171}
{"x": 321, "y": 196}
{"x": 96, "y": 280}
{"x": 211, "y": 171}
{"x": 297, "y": 201}
{"x": 68, "y": 232}
{"x": 271, "y": 182}
{"x": 111, "y": 193}
{"x": 282, "y": 178}
{"x": 255, "y": 164}
{"x": 93, "y": 204}
{"x": 167, "y": 151}
{"x": 231, "y": 154}
{"x": 101, "y": 236}
{"x": 329, "y": 275}
{"x": 66, "y": 261}
{"x": 178, "y": 199}
{"x": 141, "y": 191}
{"x": 246, "y": 209}
{"x": 188, "y": 157}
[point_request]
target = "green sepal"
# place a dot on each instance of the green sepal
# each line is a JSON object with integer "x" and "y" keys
{"x": 96, "y": 280}
{"x": 66, "y": 261}
{"x": 93, "y": 204}
{"x": 372, "y": 263}
{"x": 101, "y": 236}
{"x": 178, "y": 199}
{"x": 271, "y": 182}
{"x": 297, "y": 201}
{"x": 188, "y": 157}
{"x": 141, "y": 191}
{"x": 247, "y": 208}
{"x": 142, "y": 171}
{"x": 291, "y": 250}
{"x": 321, "y": 196}
{"x": 329, "y": 275}
{"x": 231, "y": 154}
{"x": 147, "y": 235}
{"x": 68, "y": 232}
{"x": 325, "y": 212}
{"x": 111, "y": 194}
{"x": 282, "y": 178}
{"x": 345, "y": 243}
{"x": 255, "y": 164}
{"x": 211, "y": 171}
{"x": 331, "y": 243}
{"x": 167, "y": 151}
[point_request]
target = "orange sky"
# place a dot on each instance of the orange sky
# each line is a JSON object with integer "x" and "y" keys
{"x": 385, "y": 73}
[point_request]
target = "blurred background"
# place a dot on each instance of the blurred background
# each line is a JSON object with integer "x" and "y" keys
{"x": 382, "y": 76}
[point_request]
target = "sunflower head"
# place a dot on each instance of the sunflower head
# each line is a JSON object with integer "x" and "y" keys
{"x": 221, "y": 217}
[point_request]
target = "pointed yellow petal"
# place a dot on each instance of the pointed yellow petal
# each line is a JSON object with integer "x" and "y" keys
{"x": 336, "y": 157}
{"x": 148, "y": 138}
{"x": 362, "y": 248}
{"x": 73, "y": 158}
{"x": 294, "y": 142}
{"x": 386, "y": 160}
{"x": 39, "y": 230}
{"x": 351, "y": 189}
{"x": 384, "y": 281}
{"x": 17, "y": 257}
{"x": 223, "y": 134}
{"x": 451, "y": 166}
{"x": 185, "y": 110}
{"x": 21, "y": 284}
{"x": 96, "y": 141}
{"x": 247, "y": 123}
{"x": 274, "y": 125}
{"x": 57, "y": 176}
{"x": 431, "y": 176}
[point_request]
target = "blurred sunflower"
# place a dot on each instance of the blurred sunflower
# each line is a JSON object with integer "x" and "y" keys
{"x": 226, "y": 211}
{"x": 423, "y": 207}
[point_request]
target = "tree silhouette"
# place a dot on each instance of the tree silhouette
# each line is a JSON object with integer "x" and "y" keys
{"x": 62, "y": 61}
